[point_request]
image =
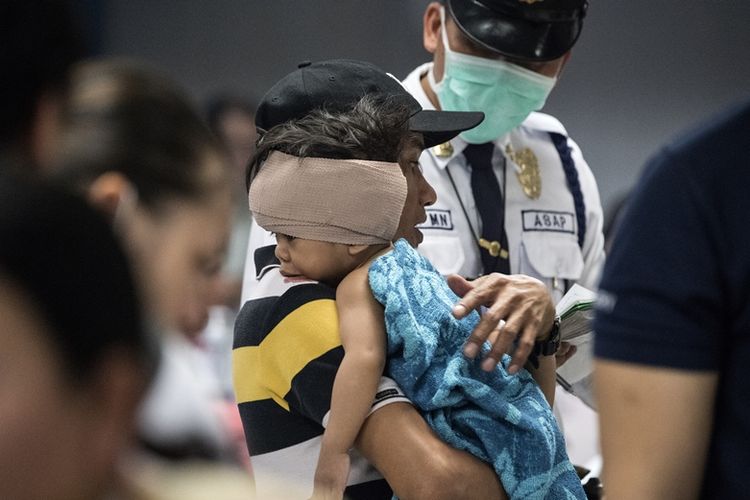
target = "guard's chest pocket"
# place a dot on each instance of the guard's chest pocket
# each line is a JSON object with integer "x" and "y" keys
{"x": 445, "y": 252}
{"x": 552, "y": 258}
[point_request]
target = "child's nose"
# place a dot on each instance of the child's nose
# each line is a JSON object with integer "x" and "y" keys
{"x": 281, "y": 252}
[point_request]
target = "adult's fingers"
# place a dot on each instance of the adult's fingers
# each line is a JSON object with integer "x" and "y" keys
{"x": 500, "y": 346}
{"x": 533, "y": 318}
{"x": 482, "y": 291}
{"x": 524, "y": 346}
{"x": 522, "y": 302}
{"x": 459, "y": 284}
{"x": 485, "y": 290}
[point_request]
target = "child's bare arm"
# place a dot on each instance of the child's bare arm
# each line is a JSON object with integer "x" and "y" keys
{"x": 363, "y": 337}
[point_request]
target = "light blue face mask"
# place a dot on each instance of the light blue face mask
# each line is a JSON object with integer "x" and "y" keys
{"x": 505, "y": 92}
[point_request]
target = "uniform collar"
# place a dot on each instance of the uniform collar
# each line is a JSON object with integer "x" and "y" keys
{"x": 458, "y": 145}
{"x": 413, "y": 84}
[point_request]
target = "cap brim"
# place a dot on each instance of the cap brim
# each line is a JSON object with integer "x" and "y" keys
{"x": 515, "y": 37}
{"x": 438, "y": 127}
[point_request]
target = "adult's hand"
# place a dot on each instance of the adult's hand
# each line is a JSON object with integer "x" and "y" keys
{"x": 522, "y": 302}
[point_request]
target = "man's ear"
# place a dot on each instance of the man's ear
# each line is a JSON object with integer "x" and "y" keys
{"x": 108, "y": 192}
{"x": 431, "y": 27}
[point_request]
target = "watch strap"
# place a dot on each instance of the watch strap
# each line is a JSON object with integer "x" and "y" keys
{"x": 548, "y": 346}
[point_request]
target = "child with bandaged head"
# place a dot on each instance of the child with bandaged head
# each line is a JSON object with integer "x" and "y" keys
{"x": 334, "y": 221}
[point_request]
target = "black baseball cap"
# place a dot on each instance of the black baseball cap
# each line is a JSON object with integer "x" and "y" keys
{"x": 338, "y": 84}
{"x": 533, "y": 30}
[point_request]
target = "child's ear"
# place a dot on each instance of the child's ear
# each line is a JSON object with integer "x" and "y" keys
{"x": 355, "y": 250}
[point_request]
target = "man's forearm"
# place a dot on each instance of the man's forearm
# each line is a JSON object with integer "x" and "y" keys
{"x": 545, "y": 376}
{"x": 417, "y": 464}
{"x": 655, "y": 428}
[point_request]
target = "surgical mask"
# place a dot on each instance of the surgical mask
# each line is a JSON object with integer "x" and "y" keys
{"x": 505, "y": 92}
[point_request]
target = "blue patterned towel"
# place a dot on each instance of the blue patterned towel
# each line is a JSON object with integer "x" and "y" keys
{"x": 502, "y": 419}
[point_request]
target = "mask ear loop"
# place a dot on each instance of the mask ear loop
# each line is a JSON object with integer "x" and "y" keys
{"x": 435, "y": 86}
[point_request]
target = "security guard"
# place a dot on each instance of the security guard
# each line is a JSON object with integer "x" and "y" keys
{"x": 514, "y": 195}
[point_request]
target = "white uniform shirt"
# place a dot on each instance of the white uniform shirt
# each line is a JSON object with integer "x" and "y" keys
{"x": 542, "y": 233}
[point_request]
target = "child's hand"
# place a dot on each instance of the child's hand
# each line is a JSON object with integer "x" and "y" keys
{"x": 330, "y": 477}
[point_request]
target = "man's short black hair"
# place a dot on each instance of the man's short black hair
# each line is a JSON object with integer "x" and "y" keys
{"x": 375, "y": 128}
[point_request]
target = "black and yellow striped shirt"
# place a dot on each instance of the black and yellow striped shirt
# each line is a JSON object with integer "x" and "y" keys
{"x": 285, "y": 356}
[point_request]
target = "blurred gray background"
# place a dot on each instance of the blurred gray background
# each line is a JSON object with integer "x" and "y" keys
{"x": 642, "y": 71}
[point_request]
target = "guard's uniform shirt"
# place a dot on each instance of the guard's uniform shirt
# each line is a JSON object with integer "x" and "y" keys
{"x": 543, "y": 233}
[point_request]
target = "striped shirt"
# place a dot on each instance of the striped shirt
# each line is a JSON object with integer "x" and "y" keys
{"x": 285, "y": 356}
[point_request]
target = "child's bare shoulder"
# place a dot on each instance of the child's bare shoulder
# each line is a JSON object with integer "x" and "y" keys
{"x": 356, "y": 284}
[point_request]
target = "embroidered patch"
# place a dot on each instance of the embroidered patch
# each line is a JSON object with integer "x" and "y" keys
{"x": 437, "y": 219}
{"x": 548, "y": 220}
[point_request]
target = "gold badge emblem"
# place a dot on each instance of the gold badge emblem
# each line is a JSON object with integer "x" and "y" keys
{"x": 530, "y": 2}
{"x": 528, "y": 171}
{"x": 444, "y": 150}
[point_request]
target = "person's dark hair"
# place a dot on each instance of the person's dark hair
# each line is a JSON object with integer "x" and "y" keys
{"x": 374, "y": 129}
{"x": 40, "y": 42}
{"x": 63, "y": 256}
{"x": 123, "y": 116}
{"x": 220, "y": 106}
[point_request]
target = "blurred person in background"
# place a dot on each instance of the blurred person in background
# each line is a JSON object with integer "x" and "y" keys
{"x": 673, "y": 323}
{"x": 40, "y": 41}
{"x": 76, "y": 358}
{"x": 134, "y": 146}
{"x": 232, "y": 120}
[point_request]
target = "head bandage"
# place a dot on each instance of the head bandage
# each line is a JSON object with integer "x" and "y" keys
{"x": 354, "y": 202}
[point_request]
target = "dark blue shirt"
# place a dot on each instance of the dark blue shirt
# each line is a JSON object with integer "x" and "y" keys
{"x": 675, "y": 291}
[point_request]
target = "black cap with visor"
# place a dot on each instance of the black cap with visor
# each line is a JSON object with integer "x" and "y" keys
{"x": 339, "y": 84}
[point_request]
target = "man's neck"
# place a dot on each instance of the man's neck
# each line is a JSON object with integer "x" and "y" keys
{"x": 431, "y": 95}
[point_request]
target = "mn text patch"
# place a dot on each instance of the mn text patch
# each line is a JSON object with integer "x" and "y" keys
{"x": 548, "y": 220}
{"x": 437, "y": 219}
